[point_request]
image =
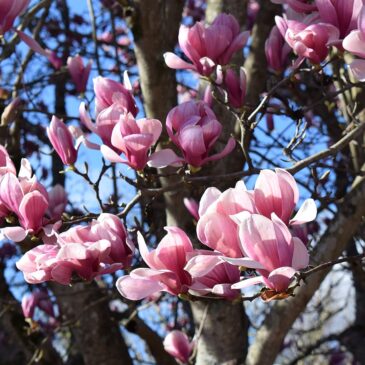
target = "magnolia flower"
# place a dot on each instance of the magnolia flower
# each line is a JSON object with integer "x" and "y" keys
{"x": 276, "y": 51}
{"x": 9, "y": 10}
{"x": 308, "y": 41}
{"x": 194, "y": 129}
{"x": 269, "y": 248}
{"x": 134, "y": 138}
{"x": 234, "y": 85}
{"x": 208, "y": 47}
{"x": 221, "y": 213}
{"x": 79, "y": 73}
{"x": 177, "y": 344}
{"x": 277, "y": 192}
{"x": 112, "y": 100}
{"x": 342, "y": 14}
{"x": 102, "y": 247}
{"x": 355, "y": 43}
{"x": 218, "y": 227}
{"x": 57, "y": 202}
{"x": 28, "y": 199}
{"x": 62, "y": 141}
{"x": 37, "y": 299}
{"x": 211, "y": 275}
{"x": 166, "y": 267}
{"x": 108, "y": 92}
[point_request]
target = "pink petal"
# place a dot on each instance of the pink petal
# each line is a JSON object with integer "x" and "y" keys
{"x": 227, "y": 149}
{"x": 137, "y": 289}
{"x": 306, "y": 213}
{"x": 32, "y": 43}
{"x": 248, "y": 282}
{"x": 176, "y": 62}
{"x": 16, "y": 234}
{"x": 300, "y": 258}
{"x": 85, "y": 118}
{"x": 111, "y": 155}
{"x": 163, "y": 158}
{"x": 244, "y": 261}
{"x": 280, "y": 278}
{"x": 209, "y": 197}
{"x": 355, "y": 43}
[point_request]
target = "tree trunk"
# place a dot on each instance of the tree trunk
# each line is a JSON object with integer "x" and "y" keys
{"x": 97, "y": 336}
{"x": 223, "y": 339}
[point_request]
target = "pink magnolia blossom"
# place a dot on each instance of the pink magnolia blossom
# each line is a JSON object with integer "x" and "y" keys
{"x": 355, "y": 43}
{"x": 221, "y": 213}
{"x": 211, "y": 275}
{"x": 276, "y": 51}
{"x": 57, "y": 202}
{"x": 26, "y": 198}
{"x": 342, "y": 14}
{"x": 79, "y": 72}
{"x": 105, "y": 121}
{"x": 166, "y": 267}
{"x": 277, "y": 192}
{"x": 108, "y": 92}
{"x": 208, "y": 47}
{"x": 269, "y": 247}
{"x": 9, "y": 10}
{"x": 107, "y": 227}
{"x": 134, "y": 138}
{"x": 112, "y": 101}
{"x": 218, "y": 225}
{"x": 194, "y": 129}
{"x": 177, "y": 344}
{"x": 37, "y": 299}
{"x": 62, "y": 141}
{"x": 308, "y": 41}
{"x": 233, "y": 85}
{"x": 102, "y": 247}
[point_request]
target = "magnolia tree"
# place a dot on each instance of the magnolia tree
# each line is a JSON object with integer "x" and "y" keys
{"x": 182, "y": 182}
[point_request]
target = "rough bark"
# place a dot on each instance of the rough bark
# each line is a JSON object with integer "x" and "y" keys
{"x": 255, "y": 64}
{"x": 339, "y": 233}
{"x": 17, "y": 347}
{"x": 236, "y": 8}
{"x": 155, "y": 31}
{"x": 223, "y": 340}
{"x": 97, "y": 336}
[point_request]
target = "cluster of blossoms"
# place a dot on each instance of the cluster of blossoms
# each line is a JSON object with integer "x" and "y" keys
{"x": 192, "y": 127}
{"x": 87, "y": 251}
{"x": 307, "y": 28}
{"x": 251, "y": 236}
{"x": 26, "y": 202}
{"x": 310, "y": 29}
{"x": 246, "y": 228}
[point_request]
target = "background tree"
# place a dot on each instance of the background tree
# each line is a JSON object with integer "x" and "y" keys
{"x": 187, "y": 97}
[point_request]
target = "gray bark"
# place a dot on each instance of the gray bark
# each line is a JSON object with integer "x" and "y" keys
{"x": 97, "y": 335}
{"x": 223, "y": 340}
